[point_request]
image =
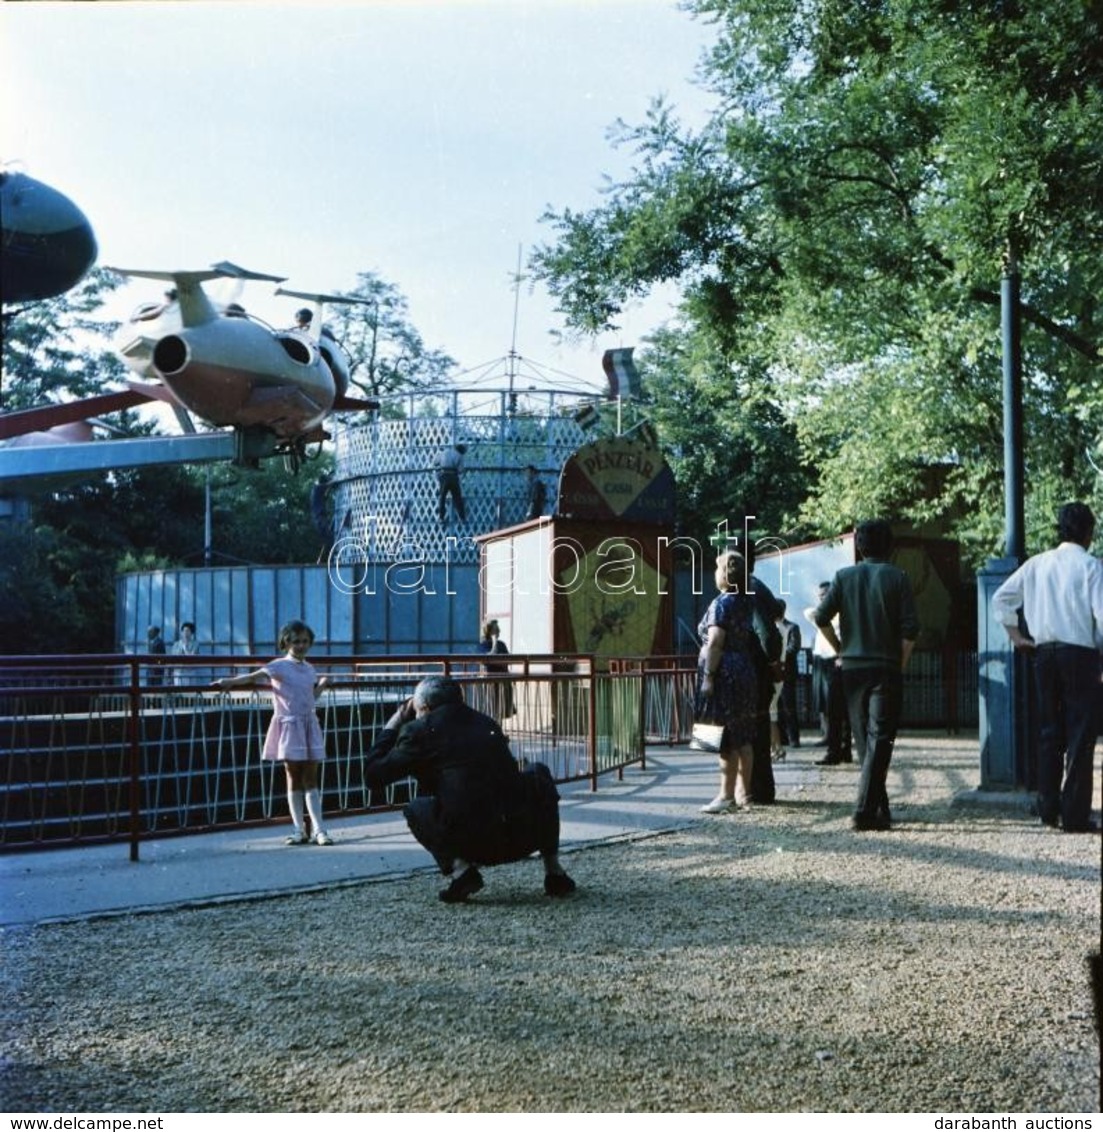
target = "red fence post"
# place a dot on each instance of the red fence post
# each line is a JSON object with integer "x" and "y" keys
{"x": 135, "y": 760}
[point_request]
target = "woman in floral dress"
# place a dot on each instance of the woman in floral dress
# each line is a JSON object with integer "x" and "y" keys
{"x": 727, "y": 687}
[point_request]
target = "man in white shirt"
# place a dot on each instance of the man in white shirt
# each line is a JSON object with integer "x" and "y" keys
{"x": 828, "y": 695}
{"x": 1060, "y": 596}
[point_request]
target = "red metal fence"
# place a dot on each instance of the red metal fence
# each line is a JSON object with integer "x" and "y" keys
{"x": 101, "y": 748}
{"x": 112, "y": 748}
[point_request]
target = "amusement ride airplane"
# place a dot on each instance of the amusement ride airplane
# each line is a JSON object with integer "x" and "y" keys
{"x": 46, "y": 242}
{"x": 274, "y": 388}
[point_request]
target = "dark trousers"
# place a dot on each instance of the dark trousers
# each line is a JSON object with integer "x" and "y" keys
{"x": 524, "y": 820}
{"x": 763, "y": 787}
{"x": 839, "y": 727}
{"x": 873, "y": 698}
{"x": 787, "y": 714}
{"x": 448, "y": 484}
{"x": 1067, "y": 697}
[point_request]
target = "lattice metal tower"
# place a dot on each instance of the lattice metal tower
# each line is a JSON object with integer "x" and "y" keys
{"x": 385, "y": 486}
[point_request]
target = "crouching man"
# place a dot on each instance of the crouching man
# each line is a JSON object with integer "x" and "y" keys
{"x": 474, "y": 806}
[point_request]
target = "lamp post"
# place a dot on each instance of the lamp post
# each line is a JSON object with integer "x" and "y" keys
{"x": 1003, "y": 676}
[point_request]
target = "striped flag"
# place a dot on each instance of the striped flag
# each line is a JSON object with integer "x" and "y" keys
{"x": 624, "y": 379}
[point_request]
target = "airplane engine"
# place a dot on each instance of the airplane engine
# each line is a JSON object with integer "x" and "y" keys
{"x": 296, "y": 349}
{"x": 334, "y": 357}
{"x": 171, "y": 355}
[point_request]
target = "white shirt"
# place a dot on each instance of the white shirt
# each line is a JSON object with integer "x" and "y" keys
{"x": 451, "y": 460}
{"x": 1061, "y": 595}
{"x": 820, "y": 647}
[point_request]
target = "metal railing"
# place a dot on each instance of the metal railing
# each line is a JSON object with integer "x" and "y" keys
{"x": 940, "y": 691}
{"x": 124, "y": 748}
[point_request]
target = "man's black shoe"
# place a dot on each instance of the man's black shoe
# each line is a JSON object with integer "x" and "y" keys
{"x": 1091, "y": 827}
{"x": 863, "y": 824}
{"x": 558, "y": 884}
{"x": 466, "y": 884}
{"x": 829, "y": 760}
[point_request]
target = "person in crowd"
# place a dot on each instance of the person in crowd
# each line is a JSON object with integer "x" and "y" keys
{"x": 537, "y": 496}
{"x": 501, "y": 693}
{"x": 294, "y": 736}
{"x": 320, "y": 504}
{"x": 828, "y": 694}
{"x": 449, "y": 466}
{"x": 785, "y": 705}
{"x": 878, "y": 626}
{"x": 727, "y": 681}
{"x": 766, "y": 652}
{"x": 155, "y": 646}
{"x": 474, "y": 806}
{"x": 185, "y": 645}
{"x": 1059, "y": 594}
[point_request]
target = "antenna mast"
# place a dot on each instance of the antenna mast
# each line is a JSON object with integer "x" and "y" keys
{"x": 513, "y": 343}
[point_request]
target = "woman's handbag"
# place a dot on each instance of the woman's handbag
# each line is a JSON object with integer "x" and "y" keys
{"x": 707, "y": 736}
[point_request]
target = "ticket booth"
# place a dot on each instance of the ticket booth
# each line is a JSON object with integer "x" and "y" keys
{"x": 596, "y": 576}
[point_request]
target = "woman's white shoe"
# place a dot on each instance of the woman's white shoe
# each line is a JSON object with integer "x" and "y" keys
{"x": 719, "y": 805}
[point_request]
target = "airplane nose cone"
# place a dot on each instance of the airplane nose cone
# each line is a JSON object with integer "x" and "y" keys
{"x": 48, "y": 244}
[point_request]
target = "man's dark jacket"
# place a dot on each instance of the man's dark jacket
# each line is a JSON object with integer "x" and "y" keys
{"x": 473, "y": 800}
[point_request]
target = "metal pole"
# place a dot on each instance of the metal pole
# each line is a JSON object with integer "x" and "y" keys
{"x": 207, "y": 521}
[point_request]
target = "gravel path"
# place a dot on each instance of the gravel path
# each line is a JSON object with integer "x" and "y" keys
{"x": 767, "y": 961}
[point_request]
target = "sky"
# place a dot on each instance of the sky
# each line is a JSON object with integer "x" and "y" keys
{"x": 421, "y": 141}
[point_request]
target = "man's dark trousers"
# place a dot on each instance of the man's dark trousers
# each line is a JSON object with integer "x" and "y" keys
{"x": 526, "y": 821}
{"x": 839, "y": 732}
{"x": 873, "y": 698}
{"x": 1067, "y": 697}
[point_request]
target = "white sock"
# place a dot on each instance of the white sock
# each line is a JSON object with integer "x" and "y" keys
{"x": 314, "y": 808}
{"x": 295, "y": 803}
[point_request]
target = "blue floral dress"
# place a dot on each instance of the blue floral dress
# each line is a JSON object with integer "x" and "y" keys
{"x": 734, "y": 698}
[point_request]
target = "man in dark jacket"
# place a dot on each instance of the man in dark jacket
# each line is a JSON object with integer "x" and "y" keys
{"x": 768, "y": 660}
{"x": 878, "y": 627}
{"x": 474, "y": 805}
{"x": 788, "y": 719}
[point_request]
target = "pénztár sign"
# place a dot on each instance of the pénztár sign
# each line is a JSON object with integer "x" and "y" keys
{"x": 617, "y": 478}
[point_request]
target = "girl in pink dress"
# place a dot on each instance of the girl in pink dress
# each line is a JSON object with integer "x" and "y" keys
{"x": 294, "y": 735}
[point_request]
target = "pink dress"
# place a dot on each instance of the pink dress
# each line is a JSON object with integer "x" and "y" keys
{"x": 294, "y": 735}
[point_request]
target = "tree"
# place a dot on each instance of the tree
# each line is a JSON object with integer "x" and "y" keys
{"x": 57, "y": 349}
{"x": 843, "y": 218}
{"x": 733, "y": 454}
{"x": 263, "y": 516}
{"x": 386, "y": 353}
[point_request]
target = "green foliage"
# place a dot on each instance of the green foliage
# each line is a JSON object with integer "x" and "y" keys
{"x": 839, "y": 227}
{"x": 386, "y": 352}
{"x": 733, "y": 455}
{"x": 57, "y": 349}
{"x": 263, "y": 516}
